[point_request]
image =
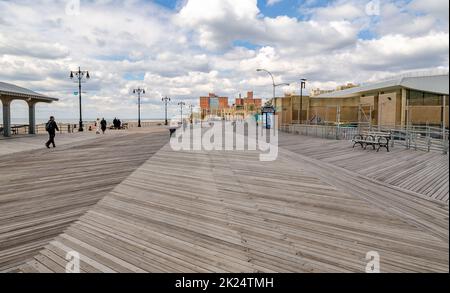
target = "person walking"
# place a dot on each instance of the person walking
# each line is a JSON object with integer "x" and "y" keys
{"x": 51, "y": 128}
{"x": 103, "y": 125}
{"x": 97, "y": 126}
{"x": 115, "y": 123}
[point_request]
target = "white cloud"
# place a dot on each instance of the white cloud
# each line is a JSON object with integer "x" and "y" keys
{"x": 436, "y": 8}
{"x": 219, "y": 23}
{"x": 190, "y": 51}
{"x": 272, "y": 2}
{"x": 339, "y": 11}
{"x": 402, "y": 52}
{"x": 414, "y": 19}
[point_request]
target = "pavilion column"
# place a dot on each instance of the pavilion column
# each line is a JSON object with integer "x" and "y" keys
{"x": 32, "y": 117}
{"x": 6, "y": 117}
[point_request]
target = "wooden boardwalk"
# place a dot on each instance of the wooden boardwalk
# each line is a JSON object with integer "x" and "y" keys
{"x": 418, "y": 171}
{"x": 22, "y": 143}
{"x": 229, "y": 212}
{"x": 44, "y": 191}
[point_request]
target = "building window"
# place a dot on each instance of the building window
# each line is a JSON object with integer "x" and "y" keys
{"x": 416, "y": 98}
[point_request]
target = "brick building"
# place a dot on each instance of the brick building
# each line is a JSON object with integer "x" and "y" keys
{"x": 247, "y": 105}
{"x": 214, "y": 105}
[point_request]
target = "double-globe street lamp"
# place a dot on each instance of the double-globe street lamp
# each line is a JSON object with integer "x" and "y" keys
{"x": 182, "y": 104}
{"x": 191, "y": 116}
{"x": 166, "y": 101}
{"x": 139, "y": 91}
{"x": 80, "y": 74}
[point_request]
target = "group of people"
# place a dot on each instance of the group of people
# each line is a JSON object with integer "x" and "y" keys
{"x": 101, "y": 125}
{"x": 117, "y": 123}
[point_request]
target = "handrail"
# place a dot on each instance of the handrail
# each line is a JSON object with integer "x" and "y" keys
{"x": 421, "y": 137}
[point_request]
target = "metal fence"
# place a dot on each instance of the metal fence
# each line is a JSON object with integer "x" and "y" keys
{"x": 322, "y": 131}
{"x": 23, "y": 129}
{"x": 419, "y": 137}
{"x": 425, "y": 138}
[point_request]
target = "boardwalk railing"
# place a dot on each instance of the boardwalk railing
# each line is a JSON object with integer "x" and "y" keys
{"x": 322, "y": 131}
{"x": 419, "y": 137}
{"x": 23, "y": 129}
{"x": 427, "y": 138}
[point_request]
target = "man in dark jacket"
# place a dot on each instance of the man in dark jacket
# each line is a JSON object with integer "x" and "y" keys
{"x": 103, "y": 125}
{"x": 51, "y": 128}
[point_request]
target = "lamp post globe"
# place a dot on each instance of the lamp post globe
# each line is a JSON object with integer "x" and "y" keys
{"x": 166, "y": 101}
{"x": 139, "y": 91}
{"x": 80, "y": 74}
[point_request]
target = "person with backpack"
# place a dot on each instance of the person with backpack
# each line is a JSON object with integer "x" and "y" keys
{"x": 103, "y": 125}
{"x": 51, "y": 128}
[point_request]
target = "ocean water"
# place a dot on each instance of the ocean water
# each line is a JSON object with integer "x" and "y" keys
{"x": 18, "y": 121}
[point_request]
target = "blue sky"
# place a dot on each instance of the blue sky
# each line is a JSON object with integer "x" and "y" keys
{"x": 188, "y": 48}
{"x": 172, "y": 4}
{"x": 284, "y": 7}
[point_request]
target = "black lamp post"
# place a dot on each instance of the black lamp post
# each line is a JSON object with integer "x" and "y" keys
{"x": 191, "y": 117}
{"x": 166, "y": 101}
{"x": 80, "y": 75}
{"x": 182, "y": 104}
{"x": 300, "y": 112}
{"x": 139, "y": 91}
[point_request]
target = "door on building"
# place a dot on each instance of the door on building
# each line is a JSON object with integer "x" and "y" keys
{"x": 387, "y": 109}
{"x": 365, "y": 115}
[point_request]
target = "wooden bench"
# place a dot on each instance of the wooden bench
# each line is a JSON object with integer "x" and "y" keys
{"x": 15, "y": 129}
{"x": 376, "y": 141}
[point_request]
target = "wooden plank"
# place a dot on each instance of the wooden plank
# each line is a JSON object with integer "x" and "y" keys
{"x": 44, "y": 191}
{"x": 229, "y": 212}
{"x": 418, "y": 171}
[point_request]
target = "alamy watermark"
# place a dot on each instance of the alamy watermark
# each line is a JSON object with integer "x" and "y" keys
{"x": 73, "y": 262}
{"x": 373, "y": 8}
{"x": 373, "y": 262}
{"x": 249, "y": 135}
{"x": 73, "y": 7}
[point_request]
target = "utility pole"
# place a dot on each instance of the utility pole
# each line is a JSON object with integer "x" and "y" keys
{"x": 300, "y": 110}
{"x": 166, "y": 101}
{"x": 80, "y": 75}
{"x": 139, "y": 91}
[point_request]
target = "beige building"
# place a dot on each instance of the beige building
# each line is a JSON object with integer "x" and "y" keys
{"x": 419, "y": 100}
{"x": 317, "y": 92}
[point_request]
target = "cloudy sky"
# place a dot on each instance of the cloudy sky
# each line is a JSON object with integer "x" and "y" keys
{"x": 187, "y": 48}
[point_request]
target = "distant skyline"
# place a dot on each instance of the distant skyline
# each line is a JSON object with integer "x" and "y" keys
{"x": 185, "y": 49}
